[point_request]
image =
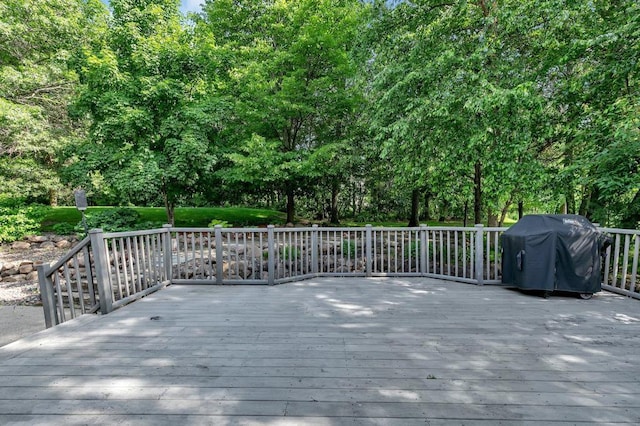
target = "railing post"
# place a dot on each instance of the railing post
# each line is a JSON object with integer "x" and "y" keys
{"x": 423, "y": 248}
{"x": 368, "y": 250}
{"x": 48, "y": 299}
{"x": 102, "y": 271}
{"x": 168, "y": 252}
{"x": 271, "y": 258}
{"x": 219, "y": 255}
{"x": 314, "y": 249}
{"x": 479, "y": 254}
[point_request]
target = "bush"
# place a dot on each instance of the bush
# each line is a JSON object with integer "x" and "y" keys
{"x": 64, "y": 228}
{"x": 349, "y": 248}
{"x": 223, "y": 223}
{"x": 17, "y": 222}
{"x": 112, "y": 220}
{"x": 289, "y": 251}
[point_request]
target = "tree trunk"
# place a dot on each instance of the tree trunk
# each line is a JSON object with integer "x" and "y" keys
{"x": 465, "y": 214}
{"x": 414, "y": 219}
{"x": 291, "y": 208}
{"x": 492, "y": 218}
{"x": 570, "y": 202}
{"x": 426, "y": 213}
{"x": 503, "y": 213}
{"x": 520, "y": 209}
{"x": 170, "y": 208}
{"x": 583, "y": 210}
{"x": 333, "y": 212}
{"x": 53, "y": 198}
{"x": 477, "y": 193}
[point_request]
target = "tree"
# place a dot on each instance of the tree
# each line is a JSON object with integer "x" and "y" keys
{"x": 289, "y": 71}
{"x": 38, "y": 42}
{"x": 154, "y": 116}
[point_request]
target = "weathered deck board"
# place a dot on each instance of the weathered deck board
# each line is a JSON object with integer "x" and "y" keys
{"x": 332, "y": 352}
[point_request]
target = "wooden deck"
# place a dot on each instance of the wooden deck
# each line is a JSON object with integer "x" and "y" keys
{"x": 333, "y": 352}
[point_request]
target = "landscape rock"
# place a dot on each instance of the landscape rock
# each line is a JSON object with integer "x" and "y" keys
{"x": 13, "y": 279}
{"x": 47, "y": 245}
{"x": 37, "y": 238}
{"x": 32, "y": 276}
{"x": 21, "y": 245}
{"x": 63, "y": 244}
{"x": 9, "y": 272}
{"x": 26, "y": 268}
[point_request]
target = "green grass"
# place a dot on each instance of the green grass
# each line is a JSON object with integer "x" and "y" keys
{"x": 185, "y": 216}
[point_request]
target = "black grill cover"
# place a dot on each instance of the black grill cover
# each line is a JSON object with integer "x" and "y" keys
{"x": 552, "y": 252}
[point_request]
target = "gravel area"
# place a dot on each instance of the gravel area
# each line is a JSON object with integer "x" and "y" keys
{"x": 20, "y": 307}
{"x": 25, "y": 293}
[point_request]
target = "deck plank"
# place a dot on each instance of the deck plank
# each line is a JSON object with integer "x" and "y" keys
{"x": 331, "y": 352}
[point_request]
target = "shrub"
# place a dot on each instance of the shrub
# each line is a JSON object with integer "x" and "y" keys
{"x": 112, "y": 220}
{"x": 349, "y": 248}
{"x": 64, "y": 228}
{"x": 17, "y": 222}
{"x": 223, "y": 223}
{"x": 287, "y": 251}
{"x": 413, "y": 249}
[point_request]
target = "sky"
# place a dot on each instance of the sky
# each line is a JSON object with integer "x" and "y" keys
{"x": 186, "y": 5}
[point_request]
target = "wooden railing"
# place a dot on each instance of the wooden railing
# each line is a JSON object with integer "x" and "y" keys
{"x": 276, "y": 255}
{"x": 620, "y": 271}
{"x": 106, "y": 271}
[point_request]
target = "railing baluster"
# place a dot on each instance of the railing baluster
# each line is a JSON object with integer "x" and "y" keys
{"x": 625, "y": 262}
{"x": 448, "y": 253}
{"x": 472, "y": 255}
{"x": 79, "y": 281}
{"x": 136, "y": 260}
{"x": 116, "y": 265}
{"x": 496, "y": 255}
{"x": 155, "y": 269}
{"x": 61, "y": 312}
{"x": 487, "y": 253}
{"x": 89, "y": 272}
{"x": 395, "y": 251}
{"x": 616, "y": 258}
{"x": 634, "y": 267}
{"x": 67, "y": 278}
{"x": 464, "y": 254}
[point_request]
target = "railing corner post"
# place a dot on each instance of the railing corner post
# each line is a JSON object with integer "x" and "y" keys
{"x": 219, "y": 254}
{"x": 271, "y": 258}
{"x": 423, "y": 248}
{"x": 479, "y": 254}
{"x": 314, "y": 249}
{"x": 369, "y": 249}
{"x": 48, "y": 299}
{"x": 168, "y": 253}
{"x": 102, "y": 270}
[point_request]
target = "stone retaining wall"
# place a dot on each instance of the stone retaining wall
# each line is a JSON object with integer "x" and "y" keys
{"x": 32, "y": 251}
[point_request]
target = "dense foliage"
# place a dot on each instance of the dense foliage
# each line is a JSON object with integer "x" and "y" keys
{"x": 327, "y": 108}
